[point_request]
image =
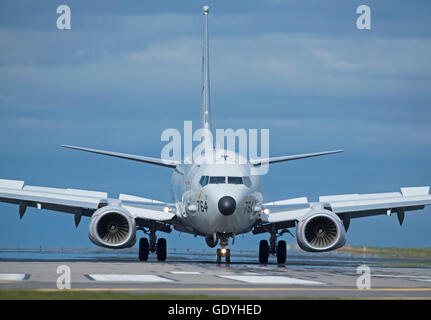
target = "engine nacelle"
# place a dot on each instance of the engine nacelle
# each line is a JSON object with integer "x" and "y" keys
{"x": 320, "y": 230}
{"x": 112, "y": 227}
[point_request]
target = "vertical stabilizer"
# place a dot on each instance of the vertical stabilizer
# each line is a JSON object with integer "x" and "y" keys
{"x": 206, "y": 112}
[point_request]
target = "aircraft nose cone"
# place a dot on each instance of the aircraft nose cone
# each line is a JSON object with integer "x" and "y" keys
{"x": 226, "y": 205}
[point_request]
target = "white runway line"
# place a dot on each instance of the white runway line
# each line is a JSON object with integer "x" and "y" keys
{"x": 392, "y": 276}
{"x": 419, "y": 279}
{"x": 409, "y": 277}
{"x": 128, "y": 278}
{"x": 185, "y": 272}
{"x": 14, "y": 276}
{"x": 272, "y": 280}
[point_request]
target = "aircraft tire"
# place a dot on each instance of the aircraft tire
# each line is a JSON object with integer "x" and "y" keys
{"x": 281, "y": 252}
{"x": 161, "y": 249}
{"x": 144, "y": 249}
{"x": 263, "y": 251}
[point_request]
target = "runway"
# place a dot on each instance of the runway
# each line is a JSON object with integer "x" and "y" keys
{"x": 330, "y": 275}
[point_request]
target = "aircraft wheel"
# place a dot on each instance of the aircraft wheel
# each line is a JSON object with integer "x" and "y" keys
{"x": 263, "y": 251}
{"x": 161, "y": 249}
{"x": 144, "y": 249}
{"x": 281, "y": 251}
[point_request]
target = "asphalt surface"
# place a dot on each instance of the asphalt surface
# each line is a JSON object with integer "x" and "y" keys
{"x": 330, "y": 275}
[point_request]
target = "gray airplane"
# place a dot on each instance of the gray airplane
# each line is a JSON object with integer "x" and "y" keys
{"x": 217, "y": 201}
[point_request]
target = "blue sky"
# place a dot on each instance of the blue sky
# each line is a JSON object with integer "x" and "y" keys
{"x": 128, "y": 70}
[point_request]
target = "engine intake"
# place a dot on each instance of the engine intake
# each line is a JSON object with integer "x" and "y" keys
{"x": 112, "y": 227}
{"x": 320, "y": 231}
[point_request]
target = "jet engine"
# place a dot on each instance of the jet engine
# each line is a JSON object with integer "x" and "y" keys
{"x": 112, "y": 227}
{"x": 320, "y": 231}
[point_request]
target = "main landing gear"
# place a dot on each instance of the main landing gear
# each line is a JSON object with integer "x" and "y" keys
{"x": 274, "y": 247}
{"x": 279, "y": 249}
{"x": 153, "y": 246}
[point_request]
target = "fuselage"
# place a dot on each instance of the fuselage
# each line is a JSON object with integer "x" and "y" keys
{"x": 220, "y": 197}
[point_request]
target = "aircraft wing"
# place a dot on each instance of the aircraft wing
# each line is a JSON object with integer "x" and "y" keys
{"x": 80, "y": 202}
{"x": 349, "y": 206}
{"x": 159, "y": 162}
{"x": 258, "y": 162}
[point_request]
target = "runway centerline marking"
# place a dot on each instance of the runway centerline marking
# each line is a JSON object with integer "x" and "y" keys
{"x": 185, "y": 272}
{"x": 14, "y": 276}
{"x": 128, "y": 278}
{"x": 271, "y": 280}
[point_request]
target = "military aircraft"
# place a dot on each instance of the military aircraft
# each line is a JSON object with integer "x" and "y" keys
{"x": 217, "y": 201}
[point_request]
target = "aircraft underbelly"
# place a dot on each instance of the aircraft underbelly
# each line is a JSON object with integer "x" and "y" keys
{"x": 214, "y": 222}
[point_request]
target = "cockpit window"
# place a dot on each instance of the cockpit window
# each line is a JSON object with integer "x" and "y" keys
{"x": 247, "y": 181}
{"x": 234, "y": 180}
{"x": 217, "y": 179}
{"x": 204, "y": 181}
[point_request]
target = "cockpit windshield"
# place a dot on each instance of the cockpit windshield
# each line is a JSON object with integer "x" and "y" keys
{"x": 247, "y": 181}
{"x": 234, "y": 180}
{"x": 204, "y": 180}
{"x": 217, "y": 179}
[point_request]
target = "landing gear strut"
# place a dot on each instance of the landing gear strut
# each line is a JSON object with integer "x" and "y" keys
{"x": 223, "y": 252}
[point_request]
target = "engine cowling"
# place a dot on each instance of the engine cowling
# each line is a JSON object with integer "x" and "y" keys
{"x": 320, "y": 231}
{"x": 112, "y": 227}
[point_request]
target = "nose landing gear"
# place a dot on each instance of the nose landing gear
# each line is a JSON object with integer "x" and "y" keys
{"x": 223, "y": 252}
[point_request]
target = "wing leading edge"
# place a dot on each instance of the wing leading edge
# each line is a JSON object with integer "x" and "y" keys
{"x": 155, "y": 161}
{"x": 258, "y": 162}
